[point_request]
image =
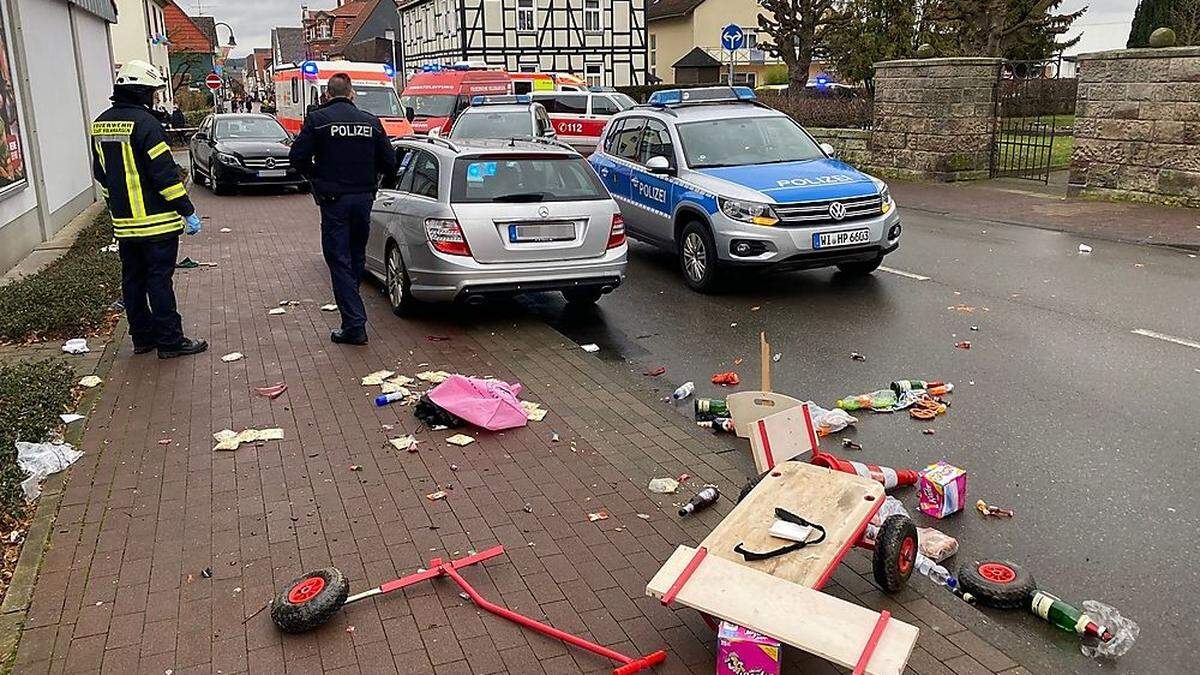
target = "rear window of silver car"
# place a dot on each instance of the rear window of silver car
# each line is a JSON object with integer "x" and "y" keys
{"x": 493, "y": 124}
{"x": 522, "y": 179}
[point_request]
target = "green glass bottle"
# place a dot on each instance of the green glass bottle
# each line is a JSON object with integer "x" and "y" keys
{"x": 1066, "y": 617}
{"x": 712, "y": 406}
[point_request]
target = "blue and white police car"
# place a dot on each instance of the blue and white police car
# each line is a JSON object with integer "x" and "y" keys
{"x": 725, "y": 181}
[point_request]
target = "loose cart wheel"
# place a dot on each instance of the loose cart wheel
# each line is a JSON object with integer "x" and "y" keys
{"x": 895, "y": 553}
{"x": 310, "y": 600}
{"x": 996, "y": 583}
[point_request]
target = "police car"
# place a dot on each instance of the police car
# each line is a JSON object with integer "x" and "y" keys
{"x": 724, "y": 181}
{"x": 503, "y": 117}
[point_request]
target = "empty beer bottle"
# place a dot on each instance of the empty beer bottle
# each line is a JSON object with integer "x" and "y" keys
{"x": 712, "y": 406}
{"x": 1066, "y": 617}
{"x": 703, "y": 499}
{"x": 717, "y": 424}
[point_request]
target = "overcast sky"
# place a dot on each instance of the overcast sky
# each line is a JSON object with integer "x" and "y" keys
{"x": 1104, "y": 26}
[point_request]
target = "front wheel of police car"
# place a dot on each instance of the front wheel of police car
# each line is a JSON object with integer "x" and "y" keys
{"x": 698, "y": 257}
{"x": 396, "y": 283}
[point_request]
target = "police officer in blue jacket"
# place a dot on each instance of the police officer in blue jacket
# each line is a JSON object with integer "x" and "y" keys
{"x": 342, "y": 151}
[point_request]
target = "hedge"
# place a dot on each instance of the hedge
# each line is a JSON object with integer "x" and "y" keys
{"x": 71, "y": 297}
{"x": 810, "y": 109}
{"x": 32, "y": 395}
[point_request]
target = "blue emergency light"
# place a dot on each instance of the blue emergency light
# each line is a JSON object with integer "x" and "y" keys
{"x": 389, "y": 70}
{"x": 430, "y": 68}
{"x": 310, "y": 68}
{"x": 501, "y": 100}
{"x": 670, "y": 97}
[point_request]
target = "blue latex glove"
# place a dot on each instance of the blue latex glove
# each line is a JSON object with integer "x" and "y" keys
{"x": 193, "y": 224}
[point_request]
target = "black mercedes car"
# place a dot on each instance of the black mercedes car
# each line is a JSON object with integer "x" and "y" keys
{"x": 231, "y": 150}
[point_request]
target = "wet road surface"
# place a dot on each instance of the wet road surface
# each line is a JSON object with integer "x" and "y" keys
{"x": 1075, "y": 406}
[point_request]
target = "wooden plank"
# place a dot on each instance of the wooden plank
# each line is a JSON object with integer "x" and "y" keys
{"x": 820, "y": 624}
{"x": 765, "y": 363}
{"x": 748, "y": 407}
{"x": 782, "y": 436}
{"x": 839, "y": 502}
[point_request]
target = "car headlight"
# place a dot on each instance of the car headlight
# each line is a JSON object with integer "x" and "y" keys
{"x": 748, "y": 212}
{"x": 886, "y": 195}
{"x": 226, "y": 158}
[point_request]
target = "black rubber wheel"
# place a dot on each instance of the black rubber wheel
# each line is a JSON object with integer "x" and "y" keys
{"x": 214, "y": 183}
{"x": 196, "y": 177}
{"x": 698, "y": 257}
{"x": 996, "y": 583}
{"x": 860, "y": 269}
{"x": 397, "y": 285}
{"x": 895, "y": 553}
{"x": 582, "y": 296}
{"x": 310, "y": 600}
{"x": 750, "y": 485}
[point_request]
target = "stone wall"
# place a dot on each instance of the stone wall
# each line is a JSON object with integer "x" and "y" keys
{"x": 934, "y": 118}
{"x": 1137, "y": 126}
{"x": 852, "y": 145}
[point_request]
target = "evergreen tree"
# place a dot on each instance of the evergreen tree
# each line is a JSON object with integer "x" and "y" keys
{"x": 1024, "y": 29}
{"x": 863, "y": 32}
{"x": 1149, "y": 15}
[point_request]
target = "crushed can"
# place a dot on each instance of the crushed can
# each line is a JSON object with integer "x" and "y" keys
{"x": 942, "y": 489}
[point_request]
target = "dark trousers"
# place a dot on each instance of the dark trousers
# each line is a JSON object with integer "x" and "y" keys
{"x": 345, "y": 224}
{"x": 147, "y": 269}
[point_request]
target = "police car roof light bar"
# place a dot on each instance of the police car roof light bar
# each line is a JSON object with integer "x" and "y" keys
{"x": 678, "y": 97}
{"x": 501, "y": 100}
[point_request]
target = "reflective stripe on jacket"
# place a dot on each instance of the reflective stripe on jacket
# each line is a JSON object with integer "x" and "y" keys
{"x": 138, "y": 176}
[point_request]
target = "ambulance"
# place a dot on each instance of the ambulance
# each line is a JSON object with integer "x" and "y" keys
{"x": 300, "y": 86}
{"x": 526, "y": 83}
{"x": 436, "y": 95}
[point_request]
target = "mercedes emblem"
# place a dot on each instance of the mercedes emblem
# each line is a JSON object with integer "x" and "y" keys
{"x": 837, "y": 210}
{"x": 544, "y": 212}
{"x": 270, "y": 162}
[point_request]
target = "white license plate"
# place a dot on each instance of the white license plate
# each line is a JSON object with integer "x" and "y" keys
{"x": 519, "y": 233}
{"x": 843, "y": 238}
{"x": 272, "y": 173}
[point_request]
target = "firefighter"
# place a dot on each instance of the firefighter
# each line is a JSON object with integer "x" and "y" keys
{"x": 342, "y": 151}
{"x": 150, "y": 208}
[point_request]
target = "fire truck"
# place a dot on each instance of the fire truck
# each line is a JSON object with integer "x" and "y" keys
{"x": 300, "y": 86}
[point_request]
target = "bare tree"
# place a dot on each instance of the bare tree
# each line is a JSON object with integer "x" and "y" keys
{"x": 1009, "y": 28}
{"x": 796, "y": 30}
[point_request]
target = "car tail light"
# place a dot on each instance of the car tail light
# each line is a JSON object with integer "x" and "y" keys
{"x": 616, "y": 236}
{"x": 446, "y": 236}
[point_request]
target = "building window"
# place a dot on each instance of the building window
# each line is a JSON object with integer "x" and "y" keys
{"x": 653, "y": 53}
{"x": 594, "y": 74}
{"x": 751, "y": 40}
{"x": 591, "y": 16}
{"x": 526, "y": 16}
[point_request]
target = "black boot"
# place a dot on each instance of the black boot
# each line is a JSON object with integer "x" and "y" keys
{"x": 143, "y": 349}
{"x": 343, "y": 337}
{"x": 185, "y": 347}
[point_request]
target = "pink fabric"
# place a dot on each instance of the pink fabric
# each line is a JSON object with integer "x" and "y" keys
{"x": 489, "y": 404}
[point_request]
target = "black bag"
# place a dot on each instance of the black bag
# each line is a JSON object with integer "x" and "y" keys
{"x": 434, "y": 415}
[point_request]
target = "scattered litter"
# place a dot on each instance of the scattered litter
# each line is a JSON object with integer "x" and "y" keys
{"x": 664, "y": 486}
{"x": 356, "y": 467}
{"x": 391, "y": 394}
{"x": 489, "y": 404}
{"x": 350, "y": 629}
{"x": 277, "y": 311}
{"x": 963, "y": 344}
{"x": 644, "y": 516}
{"x": 993, "y": 511}
{"x": 166, "y": 441}
{"x": 68, "y": 418}
{"x": 206, "y": 572}
{"x": 461, "y": 440}
{"x": 942, "y": 489}
{"x": 727, "y": 379}
{"x": 76, "y": 346}
{"x": 738, "y": 361}
{"x": 855, "y": 356}
{"x": 228, "y": 439}
{"x": 929, "y": 432}
{"x": 434, "y": 496}
{"x": 189, "y": 264}
{"x": 935, "y": 544}
{"x": 1138, "y": 265}
{"x": 599, "y": 515}
{"x": 724, "y": 424}
{"x": 289, "y": 303}
{"x": 408, "y": 443}
{"x": 111, "y": 248}
{"x": 376, "y": 378}
{"x": 965, "y": 309}
{"x": 1124, "y": 632}
{"x": 590, "y": 347}
{"x": 437, "y": 338}
{"x": 533, "y": 411}
{"x": 701, "y": 500}
{"x": 453, "y": 467}
{"x": 41, "y": 460}
{"x": 829, "y": 422}
{"x": 655, "y": 372}
{"x": 528, "y": 508}
{"x": 233, "y": 356}
{"x": 225, "y": 230}
{"x": 733, "y": 325}
{"x": 330, "y": 307}
{"x": 975, "y": 328}
{"x": 683, "y": 477}
{"x": 685, "y": 390}
{"x": 755, "y": 308}
{"x": 272, "y": 392}
{"x": 90, "y": 381}
{"x": 400, "y": 380}
{"x": 850, "y": 444}
{"x": 777, "y": 357}
{"x": 1084, "y": 248}
{"x": 433, "y": 376}
{"x": 553, "y": 437}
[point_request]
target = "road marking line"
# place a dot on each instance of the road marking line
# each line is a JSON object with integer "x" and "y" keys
{"x": 1167, "y": 338}
{"x": 902, "y": 273}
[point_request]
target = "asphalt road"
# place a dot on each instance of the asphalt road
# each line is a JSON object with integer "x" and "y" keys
{"x": 1089, "y": 431}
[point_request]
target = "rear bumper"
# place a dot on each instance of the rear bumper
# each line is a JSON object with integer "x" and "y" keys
{"x": 439, "y": 278}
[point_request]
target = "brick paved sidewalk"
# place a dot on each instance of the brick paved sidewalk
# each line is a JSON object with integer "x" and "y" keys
{"x": 121, "y": 587}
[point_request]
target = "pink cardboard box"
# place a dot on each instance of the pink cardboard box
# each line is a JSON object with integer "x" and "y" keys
{"x": 942, "y": 489}
{"x": 744, "y": 652}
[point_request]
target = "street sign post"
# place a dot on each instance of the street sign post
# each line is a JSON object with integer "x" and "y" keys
{"x": 733, "y": 38}
{"x": 213, "y": 82}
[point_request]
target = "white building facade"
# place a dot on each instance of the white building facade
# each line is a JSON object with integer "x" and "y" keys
{"x": 56, "y": 75}
{"x": 602, "y": 41}
{"x": 141, "y": 33}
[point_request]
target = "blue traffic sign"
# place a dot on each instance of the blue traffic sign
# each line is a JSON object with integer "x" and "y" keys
{"x": 732, "y": 37}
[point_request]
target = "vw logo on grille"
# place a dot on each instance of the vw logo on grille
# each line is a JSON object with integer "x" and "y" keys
{"x": 837, "y": 210}
{"x": 270, "y": 162}
{"x": 544, "y": 212}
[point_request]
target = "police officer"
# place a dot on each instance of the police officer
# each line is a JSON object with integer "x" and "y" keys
{"x": 150, "y": 208}
{"x": 342, "y": 151}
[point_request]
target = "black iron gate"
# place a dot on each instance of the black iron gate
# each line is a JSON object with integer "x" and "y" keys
{"x": 1023, "y": 140}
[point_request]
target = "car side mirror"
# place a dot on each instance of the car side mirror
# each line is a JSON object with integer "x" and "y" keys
{"x": 550, "y": 133}
{"x": 409, "y": 113}
{"x": 829, "y": 150}
{"x": 435, "y": 132}
{"x": 660, "y": 165}
{"x": 200, "y": 136}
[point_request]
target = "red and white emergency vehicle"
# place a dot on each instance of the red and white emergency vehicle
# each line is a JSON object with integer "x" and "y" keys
{"x": 579, "y": 117}
{"x": 437, "y": 96}
{"x": 300, "y": 85}
{"x": 527, "y": 83}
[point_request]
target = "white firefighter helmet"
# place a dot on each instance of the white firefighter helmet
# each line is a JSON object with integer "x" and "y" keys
{"x": 140, "y": 73}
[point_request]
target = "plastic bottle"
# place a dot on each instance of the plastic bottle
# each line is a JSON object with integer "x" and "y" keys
{"x": 712, "y": 406}
{"x": 717, "y": 424}
{"x": 685, "y": 390}
{"x": 936, "y": 573}
{"x": 703, "y": 499}
{"x": 384, "y": 399}
{"x": 882, "y": 399}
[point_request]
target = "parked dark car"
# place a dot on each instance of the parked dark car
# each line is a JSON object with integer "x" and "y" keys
{"x": 235, "y": 149}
